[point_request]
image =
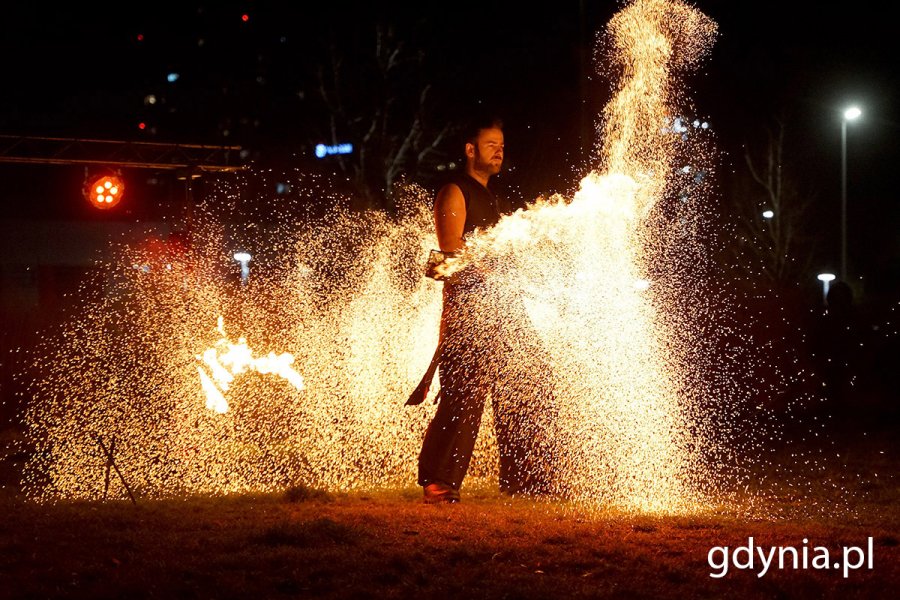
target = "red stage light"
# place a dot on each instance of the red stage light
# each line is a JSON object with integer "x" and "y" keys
{"x": 104, "y": 192}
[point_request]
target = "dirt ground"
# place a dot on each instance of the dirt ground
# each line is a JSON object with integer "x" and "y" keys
{"x": 387, "y": 544}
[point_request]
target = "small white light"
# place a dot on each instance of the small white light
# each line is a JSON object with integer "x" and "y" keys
{"x": 852, "y": 113}
{"x": 172, "y": 77}
{"x": 242, "y": 256}
{"x": 825, "y": 276}
{"x": 768, "y": 214}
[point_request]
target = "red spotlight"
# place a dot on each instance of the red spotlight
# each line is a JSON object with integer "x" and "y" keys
{"x": 245, "y": 17}
{"x": 142, "y": 125}
{"x": 105, "y": 191}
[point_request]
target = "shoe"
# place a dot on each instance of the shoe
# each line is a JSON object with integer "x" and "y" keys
{"x": 437, "y": 493}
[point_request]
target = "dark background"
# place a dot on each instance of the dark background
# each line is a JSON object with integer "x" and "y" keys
{"x": 79, "y": 70}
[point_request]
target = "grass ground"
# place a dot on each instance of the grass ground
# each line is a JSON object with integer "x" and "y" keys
{"x": 389, "y": 545}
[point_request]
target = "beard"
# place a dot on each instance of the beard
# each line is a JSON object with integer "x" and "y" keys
{"x": 485, "y": 165}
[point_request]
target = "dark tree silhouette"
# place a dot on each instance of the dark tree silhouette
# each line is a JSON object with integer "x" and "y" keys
{"x": 380, "y": 100}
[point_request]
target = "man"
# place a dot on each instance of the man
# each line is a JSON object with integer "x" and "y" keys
{"x": 467, "y": 371}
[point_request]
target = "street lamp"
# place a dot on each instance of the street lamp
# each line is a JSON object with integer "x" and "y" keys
{"x": 244, "y": 259}
{"x": 826, "y": 279}
{"x": 851, "y": 114}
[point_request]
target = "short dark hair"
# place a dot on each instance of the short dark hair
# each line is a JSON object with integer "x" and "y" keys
{"x": 476, "y": 124}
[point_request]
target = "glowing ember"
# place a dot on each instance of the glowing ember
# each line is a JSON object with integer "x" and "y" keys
{"x": 225, "y": 360}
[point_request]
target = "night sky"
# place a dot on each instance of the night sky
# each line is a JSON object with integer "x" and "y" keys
{"x": 81, "y": 70}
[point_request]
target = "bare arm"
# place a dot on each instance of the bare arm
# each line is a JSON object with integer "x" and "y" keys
{"x": 450, "y": 218}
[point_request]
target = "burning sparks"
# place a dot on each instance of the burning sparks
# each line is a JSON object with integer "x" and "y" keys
{"x": 226, "y": 360}
{"x": 603, "y": 360}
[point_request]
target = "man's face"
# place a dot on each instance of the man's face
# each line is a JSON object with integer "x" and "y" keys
{"x": 487, "y": 151}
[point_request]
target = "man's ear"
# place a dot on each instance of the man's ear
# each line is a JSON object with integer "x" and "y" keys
{"x": 470, "y": 150}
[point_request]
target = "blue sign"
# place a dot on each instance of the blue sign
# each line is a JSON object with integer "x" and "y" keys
{"x": 322, "y": 150}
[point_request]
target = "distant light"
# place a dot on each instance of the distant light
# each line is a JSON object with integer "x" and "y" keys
{"x": 140, "y": 37}
{"x": 826, "y": 279}
{"x": 282, "y": 188}
{"x": 149, "y": 99}
{"x": 768, "y": 214}
{"x": 704, "y": 125}
{"x": 852, "y": 113}
{"x": 245, "y": 18}
{"x": 142, "y": 125}
{"x": 322, "y": 150}
{"x": 696, "y": 123}
{"x": 442, "y": 167}
{"x": 244, "y": 259}
{"x": 172, "y": 77}
{"x": 686, "y": 169}
{"x": 641, "y": 285}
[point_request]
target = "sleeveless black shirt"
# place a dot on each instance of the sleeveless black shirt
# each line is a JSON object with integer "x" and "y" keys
{"x": 483, "y": 208}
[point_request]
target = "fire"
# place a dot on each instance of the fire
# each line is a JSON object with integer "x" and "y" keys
{"x": 226, "y": 360}
{"x": 601, "y": 316}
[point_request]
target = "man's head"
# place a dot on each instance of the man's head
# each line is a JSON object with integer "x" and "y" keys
{"x": 484, "y": 146}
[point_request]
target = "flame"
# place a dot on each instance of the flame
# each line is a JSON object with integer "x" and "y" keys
{"x": 598, "y": 306}
{"x": 225, "y": 360}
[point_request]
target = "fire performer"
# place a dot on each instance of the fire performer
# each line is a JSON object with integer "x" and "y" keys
{"x": 467, "y": 353}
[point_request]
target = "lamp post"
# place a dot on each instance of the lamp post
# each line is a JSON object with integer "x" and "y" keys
{"x": 826, "y": 279}
{"x": 244, "y": 259}
{"x": 850, "y": 114}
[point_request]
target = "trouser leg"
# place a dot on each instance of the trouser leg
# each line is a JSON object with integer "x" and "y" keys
{"x": 525, "y": 420}
{"x": 450, "y": 438}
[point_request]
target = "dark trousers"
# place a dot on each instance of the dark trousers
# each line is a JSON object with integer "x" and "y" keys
{"x": 474, "y": 365}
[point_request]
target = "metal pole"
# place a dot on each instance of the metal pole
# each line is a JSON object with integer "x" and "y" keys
{"x": 843, "y": 199}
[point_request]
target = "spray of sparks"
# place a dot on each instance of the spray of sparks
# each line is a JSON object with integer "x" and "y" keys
{"x": 600, "y": 329}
